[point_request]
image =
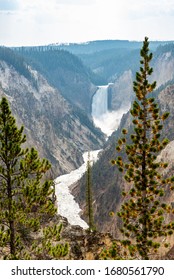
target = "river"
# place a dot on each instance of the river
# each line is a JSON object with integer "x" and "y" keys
{"x": 67, "y": 206}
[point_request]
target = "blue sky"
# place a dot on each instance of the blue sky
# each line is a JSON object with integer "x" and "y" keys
{"x": 38, "y": 22}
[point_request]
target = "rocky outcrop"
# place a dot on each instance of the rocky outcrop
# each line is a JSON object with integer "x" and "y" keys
{"x": 83, "y": 245}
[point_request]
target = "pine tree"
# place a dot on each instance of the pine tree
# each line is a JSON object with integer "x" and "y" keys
{"x": 143, "y": 211}
{"x": 89, "y": 208}
{"x": 25, "y": 198}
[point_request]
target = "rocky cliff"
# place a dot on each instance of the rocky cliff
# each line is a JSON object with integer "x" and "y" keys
{"x": 121, "y": 91}
{"x": 64, "y": 71}
{"x": 55, "y": 128}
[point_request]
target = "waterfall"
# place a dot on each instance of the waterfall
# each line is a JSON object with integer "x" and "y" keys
{"x": 100, "y": 102}
{"x": 107, "y": 121}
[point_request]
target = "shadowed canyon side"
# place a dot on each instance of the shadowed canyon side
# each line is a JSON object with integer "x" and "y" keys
{"x": 52, "y": 125}
{"x": 64, "y": 71}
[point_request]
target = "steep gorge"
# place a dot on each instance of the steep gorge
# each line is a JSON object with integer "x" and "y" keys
{"x": 62, "y": 133}
{"x": 59, "y": 131}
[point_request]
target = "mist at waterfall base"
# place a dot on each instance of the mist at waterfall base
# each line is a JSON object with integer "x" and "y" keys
{"x": 107, "y": 121}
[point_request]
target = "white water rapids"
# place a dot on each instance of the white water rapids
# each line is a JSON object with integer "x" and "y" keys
{"x": 108, "y": 122}
{"x": 67, "y": 207}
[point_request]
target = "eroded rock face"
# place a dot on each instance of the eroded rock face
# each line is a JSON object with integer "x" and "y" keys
{"x": 52, "y": 126}
{"x": 120, "y": 92}
{"x": 166, "y": 102}
{"x": 163, "y": 67}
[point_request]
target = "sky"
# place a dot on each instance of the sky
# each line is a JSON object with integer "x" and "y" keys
{"x": 42, "y": 22}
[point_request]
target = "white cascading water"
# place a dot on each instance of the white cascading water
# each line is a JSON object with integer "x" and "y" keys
{"x": 100, "y": 102}
{"x": 107, "y": 121}
{"x": 67, "y": 206}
